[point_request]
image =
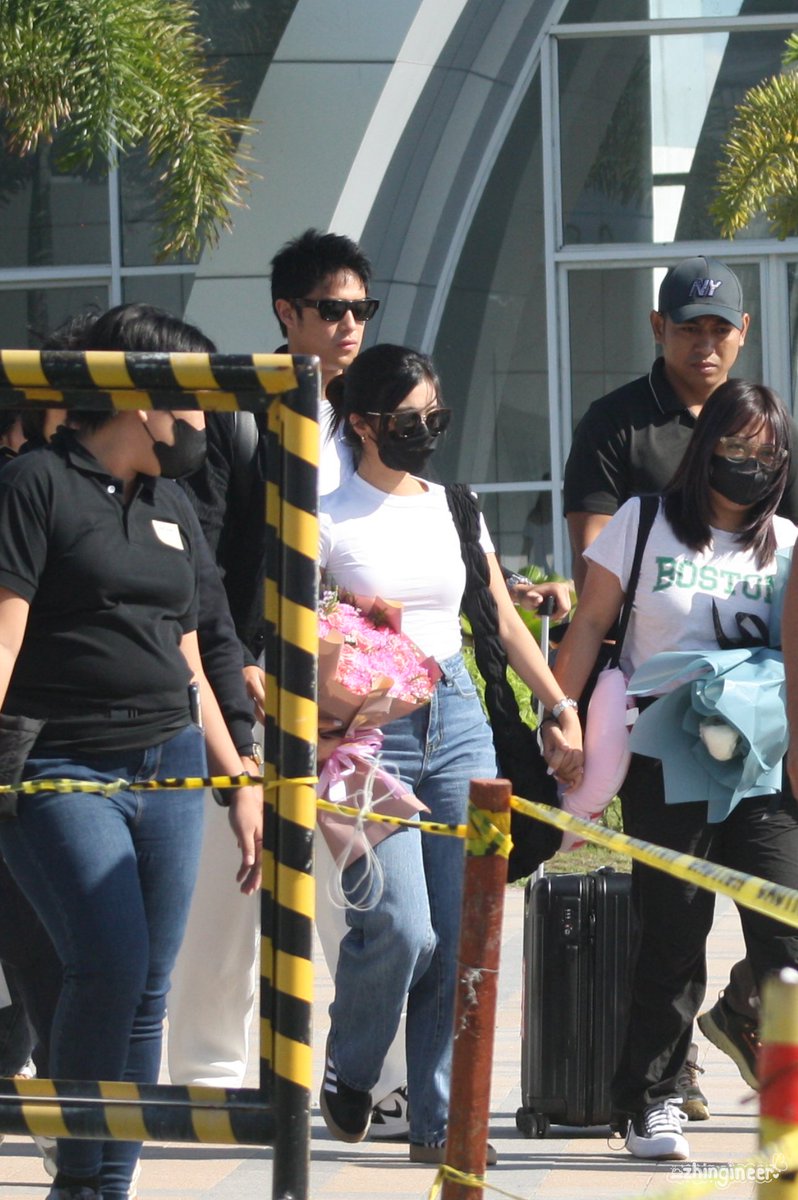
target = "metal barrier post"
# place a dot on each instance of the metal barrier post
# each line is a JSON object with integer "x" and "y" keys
{"x": 777, "y": 1069}
{"x": 296, "y": 803}
{"x": 287, "y": 390}
{"x": 477, "y": 983}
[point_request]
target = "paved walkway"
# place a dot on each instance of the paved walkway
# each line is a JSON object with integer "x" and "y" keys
{"x": 570, "y": 1166}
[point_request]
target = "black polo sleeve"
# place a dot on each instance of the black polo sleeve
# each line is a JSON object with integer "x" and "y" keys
{"x": 24, "y": 521}
{"x": 597, "y": 471}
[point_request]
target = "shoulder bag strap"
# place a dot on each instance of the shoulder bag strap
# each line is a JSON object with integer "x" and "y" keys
{"x": 649, "y": 507}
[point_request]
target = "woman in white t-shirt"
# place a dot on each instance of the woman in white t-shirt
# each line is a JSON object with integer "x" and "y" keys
{"x": 386, "y": 532}
{"x": 707, "y": 577}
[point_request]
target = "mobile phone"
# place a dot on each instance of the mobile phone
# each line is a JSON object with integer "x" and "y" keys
{"x": 195, "y": 704}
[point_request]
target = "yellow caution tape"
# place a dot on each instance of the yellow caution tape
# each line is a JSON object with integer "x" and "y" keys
{"x": 31, "y": 787}
{"x": 437, "y": 827}
{"x": 488, "y": 833}
{"x": 474, "y": 1181}
{"x": 760, "y": 895}
{"x": 766, "y": 1165}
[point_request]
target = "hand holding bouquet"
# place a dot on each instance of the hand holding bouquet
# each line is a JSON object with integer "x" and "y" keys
{"x": 370, "y": 673}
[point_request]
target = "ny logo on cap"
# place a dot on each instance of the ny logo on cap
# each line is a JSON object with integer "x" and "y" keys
{"x": 704, "y": 287}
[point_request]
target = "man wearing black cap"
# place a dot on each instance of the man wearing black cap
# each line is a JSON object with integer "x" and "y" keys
{"x": 629, "y": 443}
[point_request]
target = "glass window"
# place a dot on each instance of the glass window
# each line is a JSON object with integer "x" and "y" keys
{"x": 642, "y": 123}
{"x": 49, "y": 217}
{"x": 520, "y": 525}
{"x": 164, "y": 291}
{"x": 28, "y": 314}
{"x": 611, "y": 338}
{"x": 491, "y": 345}
{"x": 578, "y": 12}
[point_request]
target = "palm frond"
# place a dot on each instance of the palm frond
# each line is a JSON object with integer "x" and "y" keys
{"x": 113, "y": 75}
{"x": 759, "y": 170}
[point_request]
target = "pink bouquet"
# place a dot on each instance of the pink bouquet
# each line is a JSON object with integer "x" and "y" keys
{"x": 370, "y": 673}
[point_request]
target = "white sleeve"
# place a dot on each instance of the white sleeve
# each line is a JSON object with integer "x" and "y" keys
{"x": 325, "y": 538}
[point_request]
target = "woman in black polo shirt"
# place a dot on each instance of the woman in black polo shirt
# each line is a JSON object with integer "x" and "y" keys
{"x": 98, "y": 608}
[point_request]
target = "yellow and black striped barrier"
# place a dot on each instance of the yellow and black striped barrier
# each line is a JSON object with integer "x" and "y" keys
{"x": 287, "y": 390}
{"x": 107, "y": 380}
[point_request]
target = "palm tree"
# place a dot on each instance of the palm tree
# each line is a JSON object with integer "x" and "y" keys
{"x": 759, "y": 171}
{"x": 112, "y": 75}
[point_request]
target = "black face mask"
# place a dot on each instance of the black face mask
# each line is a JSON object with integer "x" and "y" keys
{"x": 186, "y": 455}
{"x": 737, "y": 481}
{"x": 408, "y": 453}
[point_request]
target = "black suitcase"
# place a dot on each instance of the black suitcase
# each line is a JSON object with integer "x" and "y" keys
{"x": 577, "y": 942}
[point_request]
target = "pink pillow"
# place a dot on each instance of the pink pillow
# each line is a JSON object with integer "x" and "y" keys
{"x": 607, "y": 752}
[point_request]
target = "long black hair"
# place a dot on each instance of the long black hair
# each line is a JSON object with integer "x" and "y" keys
{"x": 734, "y": 406}
{"x": 377, "y": 381}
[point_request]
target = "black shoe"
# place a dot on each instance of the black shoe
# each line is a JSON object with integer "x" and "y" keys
{"x": 735, "y": 1035}
{"x": 694, "y": 1102}
{"x": 346, "y": 1111}
{"x": 390, "y": 1119}
{"x": 437, "y": 1154}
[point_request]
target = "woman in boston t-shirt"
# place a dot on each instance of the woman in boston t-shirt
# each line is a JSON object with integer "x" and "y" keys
{"x": 706, "y": 577}
{"x": 386, "y": 532}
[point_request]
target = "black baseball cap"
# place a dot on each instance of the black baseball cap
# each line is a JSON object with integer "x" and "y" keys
{"x": 701, "y": 287}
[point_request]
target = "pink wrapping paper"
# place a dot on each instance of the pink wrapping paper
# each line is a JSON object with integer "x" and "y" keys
{"x": 344, "y": 778}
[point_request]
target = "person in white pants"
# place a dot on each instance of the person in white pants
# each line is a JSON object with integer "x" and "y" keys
{"x": 214, "y": 982}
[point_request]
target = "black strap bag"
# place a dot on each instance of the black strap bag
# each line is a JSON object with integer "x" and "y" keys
{"x": 517, "y": 750}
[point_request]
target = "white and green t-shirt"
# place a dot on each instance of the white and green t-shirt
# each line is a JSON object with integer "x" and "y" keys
{"x": 677, "y": 586}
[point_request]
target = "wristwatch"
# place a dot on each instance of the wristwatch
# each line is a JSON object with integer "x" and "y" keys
{"x": 252, "y": 750}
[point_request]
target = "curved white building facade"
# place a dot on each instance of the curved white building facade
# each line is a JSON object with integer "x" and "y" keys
{"x": 519, "y": 172}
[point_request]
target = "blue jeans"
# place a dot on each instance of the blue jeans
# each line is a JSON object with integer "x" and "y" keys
{"x": 111, "y": 879}
{"x": 406, "y": 945}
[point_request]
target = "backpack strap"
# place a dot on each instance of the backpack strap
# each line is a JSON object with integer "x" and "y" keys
{"x": 517, "y": 751}
{"x": 649, "y": 507}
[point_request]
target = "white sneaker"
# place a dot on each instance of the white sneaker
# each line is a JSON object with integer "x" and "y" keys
{"x": 133, "y": 1189}
{"x": 389, "y": 1119}
{"x": 656, "y": 1132}
{"x": 48, "y": 1148}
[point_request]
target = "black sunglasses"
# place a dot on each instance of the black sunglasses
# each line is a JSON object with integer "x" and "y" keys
{"x": 409, "y": 422}
{"x": 336, "y": 310}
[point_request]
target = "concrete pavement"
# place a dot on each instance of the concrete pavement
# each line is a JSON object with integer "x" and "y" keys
{"x": 571, "y": 1165}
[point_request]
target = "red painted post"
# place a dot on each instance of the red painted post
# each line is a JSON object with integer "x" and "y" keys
{"x": 477, "y": 985}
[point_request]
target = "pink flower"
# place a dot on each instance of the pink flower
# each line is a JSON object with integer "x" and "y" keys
{"x": 374, "y": 654}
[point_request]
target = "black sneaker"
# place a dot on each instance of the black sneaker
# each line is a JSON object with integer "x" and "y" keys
{"x": 346, "y": 1111}
{"x": 437, "y": 1154}
{"x": 735, "y": 1035}
{"x": 694, "y": 1102}
{"x": 390, "y": 1119}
